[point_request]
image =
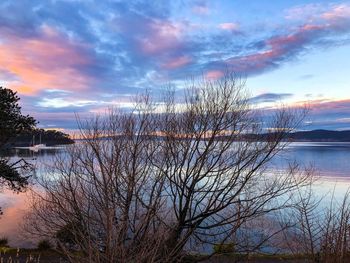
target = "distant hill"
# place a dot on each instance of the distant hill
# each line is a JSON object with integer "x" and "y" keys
{"x": 48, "y": 137}
{"x": 53, "y": 137}
{"x": 302, "y": 136}
{"x": 320, "y": 136}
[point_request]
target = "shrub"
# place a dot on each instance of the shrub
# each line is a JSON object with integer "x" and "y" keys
{"x": 44, "y": 244}
{"x": 4, "y": 242}
{"x": 224, "y": 248}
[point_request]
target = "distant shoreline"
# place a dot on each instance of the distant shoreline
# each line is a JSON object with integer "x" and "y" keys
{"x": 299, "y": 136}
{"x": 320, "y": 136}
{"x": 40, "y": 136}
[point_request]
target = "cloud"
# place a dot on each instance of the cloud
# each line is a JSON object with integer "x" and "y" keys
{"x": 201, "y": 8}
{"x": 63, "y": 103}
{"x": 316, "y": 12}
{"x": 306, "y": 12}
{"x": 159, "y": 36}
{"x": 233, "y": 27}
{"x": 273, "y": 51}
{"x": 327, "y": 114}
{"x": 177, "y": 62}
{"x": 270, "y": 97}
{"x": 214, "y": 74}
{"x": 340, "y": 108}
{"x": 48, "y": 61}
{"x": 7, "y": 75}
{"x": 61, "y": 54}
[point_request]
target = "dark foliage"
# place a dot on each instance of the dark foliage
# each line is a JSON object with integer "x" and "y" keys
{"x": 4, "y": 242}
{"x": 48, "y": 137}
{"x": 67, "y": 234}
{"x": 44, "y": 244}
{"x": 11, "y": 174}
{"x": 224, "y": 248}
{"x": 13, "y": 122}
{"x": 11, "y": 119}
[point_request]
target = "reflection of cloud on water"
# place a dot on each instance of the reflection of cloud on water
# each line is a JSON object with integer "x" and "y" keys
{"x": 331, "y": 161}
{"x": 14, "y": 207}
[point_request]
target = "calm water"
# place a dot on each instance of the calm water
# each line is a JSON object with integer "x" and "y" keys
{"x": 332, "y": 161}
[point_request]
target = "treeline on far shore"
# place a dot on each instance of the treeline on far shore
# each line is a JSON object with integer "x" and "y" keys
{"x": 55, "y": 137}
{"x": 36, "y": 136}
{"x": 299, "y": 136}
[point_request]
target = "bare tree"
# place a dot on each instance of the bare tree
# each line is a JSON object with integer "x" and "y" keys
{"x": 321, "y": 230}
{"x": 168, "y": 179}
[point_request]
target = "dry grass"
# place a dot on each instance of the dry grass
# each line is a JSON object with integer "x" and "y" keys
{"x": 13, "y": 255}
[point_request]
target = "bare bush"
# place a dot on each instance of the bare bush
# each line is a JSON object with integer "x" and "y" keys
{"x": 167, "y": 180}
{"x": 321, "y": 230}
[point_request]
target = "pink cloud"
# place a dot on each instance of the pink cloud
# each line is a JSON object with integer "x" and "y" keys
{"x": 229, "y": 26}
{"x": 326, "y": 107}
{"x": 255, "y": 62}
{"x": 48, "y": 61}
{"x": 313, "y": 13}
{"x": 334, "y": 105}
{"x": 177, "y": 62}
{"x": 303, "y": 12}
{"x": 162, "y": 36}
{"x": 214, "y": 74}
{"x": 279, "y": 48}
{"x": 337, "y": 12}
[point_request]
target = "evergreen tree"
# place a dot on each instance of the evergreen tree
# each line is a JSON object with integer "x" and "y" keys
{"x": 12, "y": 122}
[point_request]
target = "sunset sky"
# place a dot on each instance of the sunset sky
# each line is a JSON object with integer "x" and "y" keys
{"x": 67, "y": 57}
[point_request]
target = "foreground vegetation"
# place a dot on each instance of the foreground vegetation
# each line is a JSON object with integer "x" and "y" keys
{"x": 13, "y": 255}
{"x": 175, "y": 182}
{"x": 42, "y": 254}
{"x": 21, "y": 255}
{"x": 164, "y": 186}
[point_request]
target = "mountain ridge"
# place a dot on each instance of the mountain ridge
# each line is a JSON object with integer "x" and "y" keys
{"x": 320, "y": 135}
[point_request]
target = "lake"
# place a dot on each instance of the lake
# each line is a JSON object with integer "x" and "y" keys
{"x": 332, "y": 161}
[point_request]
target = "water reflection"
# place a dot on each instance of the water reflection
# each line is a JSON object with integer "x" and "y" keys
{"x": 26, "y": 153}
{"x": 15, "y": 205}
{"x": 330, "y": 159}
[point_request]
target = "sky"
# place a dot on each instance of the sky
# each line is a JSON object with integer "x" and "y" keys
{"x": 78, "y": 57}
